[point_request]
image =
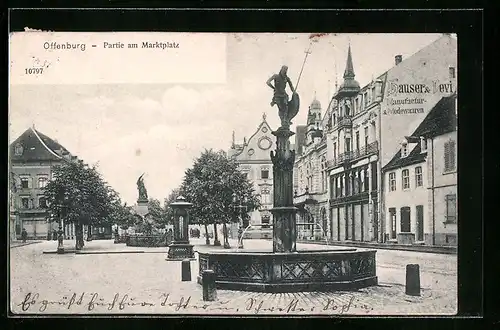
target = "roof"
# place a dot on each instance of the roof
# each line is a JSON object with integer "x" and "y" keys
{"x": 440, "y": 120}
{"x": 416, "y": 156}
{"x": 36, "y": 146}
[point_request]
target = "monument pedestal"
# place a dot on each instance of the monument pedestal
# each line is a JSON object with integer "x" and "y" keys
{"x": 142, "y": 207}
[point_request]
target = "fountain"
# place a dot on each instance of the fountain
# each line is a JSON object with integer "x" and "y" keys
{"x": 285, "y": 269}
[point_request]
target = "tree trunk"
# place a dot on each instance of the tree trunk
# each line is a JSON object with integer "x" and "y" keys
{"x": 79, "y": 242}
{"x": 225, "y": 236}
{"x": 216, "y": 236}
{"x": 207, "y": 238}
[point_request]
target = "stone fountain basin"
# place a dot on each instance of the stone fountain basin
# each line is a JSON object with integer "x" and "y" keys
{"x": 306, "y": 270}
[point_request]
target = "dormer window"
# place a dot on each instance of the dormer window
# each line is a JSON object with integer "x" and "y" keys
{"x": 451, "y": 71}
{"x": 423, "y": 144}
{"x": 18, "y": 150}
{"x": 404, "y": 149}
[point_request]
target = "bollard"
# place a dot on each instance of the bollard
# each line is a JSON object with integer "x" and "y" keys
{"x": 186, "y": 270}
{"x": 412, "y": 280}
{"x": 209, "y": 288}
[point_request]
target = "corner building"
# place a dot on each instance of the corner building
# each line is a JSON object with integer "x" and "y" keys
{"x": 365, "y": 129}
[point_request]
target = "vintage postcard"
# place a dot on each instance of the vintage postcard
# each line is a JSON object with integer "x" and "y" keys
{"x": 275, "y": 174}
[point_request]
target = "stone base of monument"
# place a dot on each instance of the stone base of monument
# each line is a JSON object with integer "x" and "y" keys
{"x": 322, "y": 270}
{"x": 180, "y": 251}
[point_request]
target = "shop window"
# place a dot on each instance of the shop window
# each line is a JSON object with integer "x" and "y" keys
{"x": 451, "y": 208}
{"x": 392, "y": 215}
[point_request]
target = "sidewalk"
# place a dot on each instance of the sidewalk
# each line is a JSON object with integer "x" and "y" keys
{"x": 387, "y": 246}
{"x": 20, "y": 243}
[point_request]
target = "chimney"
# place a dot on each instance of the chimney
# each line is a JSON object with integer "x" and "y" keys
{"x": 398, "y": 59}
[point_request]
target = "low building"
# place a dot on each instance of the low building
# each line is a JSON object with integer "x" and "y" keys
{"x": 32, "y": 156}
{"x": 421, "y": 181}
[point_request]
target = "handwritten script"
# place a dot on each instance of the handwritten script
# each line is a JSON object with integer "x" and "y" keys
{"x": 94, "y": 302}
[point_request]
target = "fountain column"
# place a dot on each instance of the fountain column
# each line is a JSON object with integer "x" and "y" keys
{"x": 284, "y": 213}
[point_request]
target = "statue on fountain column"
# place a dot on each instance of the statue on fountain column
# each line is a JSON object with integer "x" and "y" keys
{"x": 287, "y": 109}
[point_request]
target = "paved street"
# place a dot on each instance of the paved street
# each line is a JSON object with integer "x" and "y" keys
{"x": 145, "y": 283}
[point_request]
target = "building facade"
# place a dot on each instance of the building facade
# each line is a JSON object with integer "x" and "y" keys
{"x": 311, "y": 177}
{"x": 254, "y": 160}
{"x": 353, "y": 163}
{"x": 421, "y": 181}
{"x": 364, "y": 128}
{"x": 32, "y": 156}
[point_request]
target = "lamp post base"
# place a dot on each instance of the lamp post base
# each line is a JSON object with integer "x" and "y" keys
{"x": 180, "y": 251}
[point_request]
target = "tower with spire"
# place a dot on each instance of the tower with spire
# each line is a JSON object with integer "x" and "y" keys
{"x": 350, "y": 87}
{"x": 313, "y": 120}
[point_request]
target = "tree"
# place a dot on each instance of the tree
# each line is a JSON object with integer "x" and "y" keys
{"x": 157, "y": 213}
{"x": 79, "y": 195}
{"x": 211, "y": 184}
{"x": 172, "y": 197}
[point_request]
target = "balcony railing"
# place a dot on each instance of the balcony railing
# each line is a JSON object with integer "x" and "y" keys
{"x": 344, "y": 122}
{"x": 346, "y": 157}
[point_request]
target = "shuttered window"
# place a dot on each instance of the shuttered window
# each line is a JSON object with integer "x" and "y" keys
{"x": 449, "y": 156}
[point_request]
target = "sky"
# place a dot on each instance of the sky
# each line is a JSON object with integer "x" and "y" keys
{"x": 130, "y": 129}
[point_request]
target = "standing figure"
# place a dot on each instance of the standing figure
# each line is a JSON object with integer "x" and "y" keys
{"x": 286, "y": 109}
{"x": 24, "y": 235}
{"x": 143, "y": 193}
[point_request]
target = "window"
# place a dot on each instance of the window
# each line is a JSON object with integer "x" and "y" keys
{"x": 365, "y": 96}
{"x": 25, "y": 183}
{"x": 404, "y": 149}
{"x": 373, "y": 94}
{"x": 347, "y": 144}
{"x": 356, "y": 105}
{"x": 18, "y": 149}
{"x": 451, "y": 208}
{"x": 265, "y": 195}
{"x": 366, "y": 136}
{"x": 423, "y": 144}
{"x": 42, "y": 203}
{"x": 449, "y": 156}
{"x": 357, "y": 140}
{"x": 265, "y": 220}
{"x": 264, "y": 174}
{"x": 334, "y": 150}
{"x": 392, "y": 181}
{"x": 418, "y": 176}
{"x": 42, "y": 182}
{"x": 392, "y": 214}
{"x": 25, "y": 201}
{"x": 324, "y": 175}
{"x": 405, "y": 174}
{"x": 366, "y": 181}
{"x": 452, "y": 72}
{"x": 334, "y": 120}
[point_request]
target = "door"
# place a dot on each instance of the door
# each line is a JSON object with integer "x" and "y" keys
{"x": 405, "y": 220}
{"x": 420, "y": 223}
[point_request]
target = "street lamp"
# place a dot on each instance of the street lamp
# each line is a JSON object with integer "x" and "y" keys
{"x": 240, "y": 224}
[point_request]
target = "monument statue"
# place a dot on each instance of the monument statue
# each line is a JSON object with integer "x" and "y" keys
{"x": 143, "y": 194}
{"x": 287, "y": 109}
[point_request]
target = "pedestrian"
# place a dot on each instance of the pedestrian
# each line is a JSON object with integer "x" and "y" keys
{"x": 24, "y": 235}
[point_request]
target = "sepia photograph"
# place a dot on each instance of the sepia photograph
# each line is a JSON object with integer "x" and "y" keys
{"x": 276, "y": 174}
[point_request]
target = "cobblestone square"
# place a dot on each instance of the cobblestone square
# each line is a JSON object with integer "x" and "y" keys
{"x": 107, "y": 280}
